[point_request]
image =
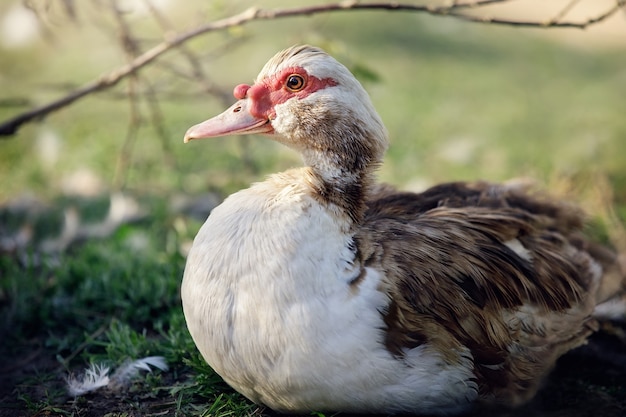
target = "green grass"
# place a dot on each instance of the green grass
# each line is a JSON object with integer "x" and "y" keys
{"x": 107, "y": 302}
{"x": 460, "y": 101}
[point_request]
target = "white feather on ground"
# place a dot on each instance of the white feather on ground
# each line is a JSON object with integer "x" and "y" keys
{"x": 97, "y": 375}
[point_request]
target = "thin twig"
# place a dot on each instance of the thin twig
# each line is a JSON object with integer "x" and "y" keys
{"x": 569, "y": 6}
{"x": 198, "y": 74}
{"x": 125, "y": 156}
{"x": 549, "y": 24}
{"x": 156, "y": 116}
{"x": 9, "y": 127}
{"x": 197, "y": 71}
{"x": 131, "y": 50}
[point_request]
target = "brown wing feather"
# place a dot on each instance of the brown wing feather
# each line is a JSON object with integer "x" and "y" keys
{"x": 455, "y": 282}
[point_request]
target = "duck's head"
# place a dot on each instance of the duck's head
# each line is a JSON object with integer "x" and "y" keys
{"x": 308, "y": 101}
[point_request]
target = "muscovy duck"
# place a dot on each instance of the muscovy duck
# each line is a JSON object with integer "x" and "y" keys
{"x": 321, "y": 289}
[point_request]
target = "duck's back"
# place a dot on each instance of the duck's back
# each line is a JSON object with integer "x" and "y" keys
{"x": 488, "y": 267}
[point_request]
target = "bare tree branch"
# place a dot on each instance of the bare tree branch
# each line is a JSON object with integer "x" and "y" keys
{"x": 456, "y": 9}
{"x": 552, "y": 23}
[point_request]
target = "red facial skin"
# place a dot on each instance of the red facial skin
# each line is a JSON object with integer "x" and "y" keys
{"x": 255, "y": 108}
{"x": 273, "y": 90}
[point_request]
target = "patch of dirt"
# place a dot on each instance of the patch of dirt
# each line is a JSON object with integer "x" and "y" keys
{"x": 588, "y": 382}
{"x": 34, "y": 385}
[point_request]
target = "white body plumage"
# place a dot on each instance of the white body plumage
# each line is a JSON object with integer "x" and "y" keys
{"x": 268, "y": 301}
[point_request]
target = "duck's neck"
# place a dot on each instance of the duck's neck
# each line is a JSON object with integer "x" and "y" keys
{"x": 343, "y": 194}
{"x": 342, "y": 176}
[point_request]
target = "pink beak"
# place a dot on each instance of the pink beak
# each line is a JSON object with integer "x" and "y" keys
{"x": 236, "y": 120}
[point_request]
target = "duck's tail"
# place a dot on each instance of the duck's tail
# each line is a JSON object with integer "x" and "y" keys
{"x": 611, "y": 296}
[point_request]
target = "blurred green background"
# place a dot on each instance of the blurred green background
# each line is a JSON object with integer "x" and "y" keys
{"x": 461, "y": 100}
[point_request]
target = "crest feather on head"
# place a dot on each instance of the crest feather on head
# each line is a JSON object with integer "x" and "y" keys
{"x": 312, "y": 59}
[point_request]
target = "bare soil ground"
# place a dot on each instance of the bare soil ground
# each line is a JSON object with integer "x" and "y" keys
{"x": 590, "y": 381}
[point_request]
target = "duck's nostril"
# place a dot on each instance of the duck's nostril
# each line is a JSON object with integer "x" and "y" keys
{"x": 237, "y": 109}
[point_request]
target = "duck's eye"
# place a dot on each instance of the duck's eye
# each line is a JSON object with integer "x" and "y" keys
{"x": 295, "y": 82}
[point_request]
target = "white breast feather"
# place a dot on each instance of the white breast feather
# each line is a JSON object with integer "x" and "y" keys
{"x": 267, "y": 299}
